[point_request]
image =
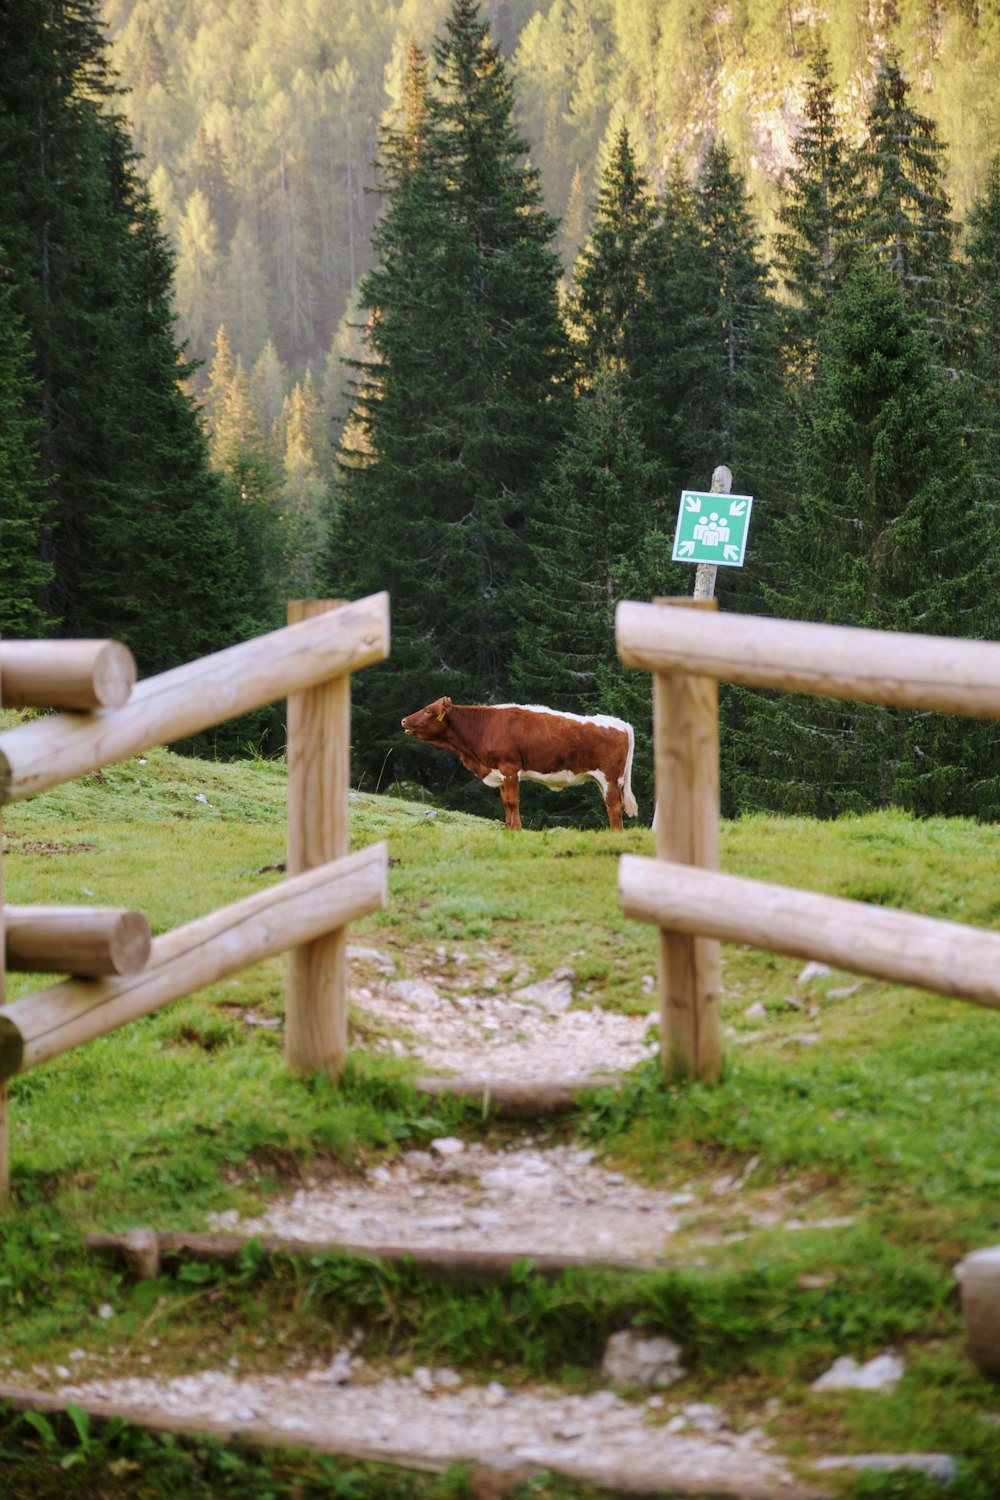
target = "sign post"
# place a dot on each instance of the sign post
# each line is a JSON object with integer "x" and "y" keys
{"x": 712, "y": 530}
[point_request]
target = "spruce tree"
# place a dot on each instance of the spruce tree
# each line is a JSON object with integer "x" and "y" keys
{"x": 609, "y": 306}
{"x": 891, "y": 532}
{"x": 459, "y": 402}
{"x": 818, "y": 207}
{"x": 598, "y": 535}
{"x": 735, "y": 409}
{"x": 24, "y": 570}
{"x": 907, "y": 220}
{"x": 145, "y": 546}
{"x": 681, "y": 373}
{"x": 982, "y": 290}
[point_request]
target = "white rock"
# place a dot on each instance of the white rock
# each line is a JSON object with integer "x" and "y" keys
{"x": 882, "y": 1373}
{"x": 447, "y": 1379}
{"x": 495, "y": 1394}
{"x": 423, "y": 1379}
{"x": 813, "y": 971}
{"x": 632, "y": 1358}
{"x": 447, "y": 1146}
{"x": 756, "y": 1012}
{"x": 415, "y": 992}
{"x": 553, "y": 995}
{"x": 703, "y": 1416}
{"x": 105, "y": 1311}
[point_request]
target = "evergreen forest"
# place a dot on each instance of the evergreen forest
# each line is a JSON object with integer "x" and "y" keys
{"x": 328, "y": 298}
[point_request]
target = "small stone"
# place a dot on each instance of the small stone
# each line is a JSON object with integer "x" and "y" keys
{"x": 105, "y": 1311}
{"x": 632, "y": 1358}
{"x": 415, "y": 992}
{"x": 882, "y": 1373}
{"x": 244, "y": 1414}
{"x": 447, "y": 1379}
{"x": 813, "y": 971}
{"x": 423, "y": 1379}
{"x": 553, "y": 995}
{"x": 495, "y": 1394}
{"x": 703, "y": 1416}
{"x": 447, "y": 1146}
{"x": 756, "y": 1011}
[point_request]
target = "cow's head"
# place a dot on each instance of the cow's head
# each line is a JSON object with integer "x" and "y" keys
{"x": 430, "y": 723}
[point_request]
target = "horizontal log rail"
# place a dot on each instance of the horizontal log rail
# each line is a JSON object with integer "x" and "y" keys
{"x": 947, "y": 958}
{"x": 896, "y": 669}
{"x": 43, "y": 1025}
{"x": 81, "y": 940}
{"x": 66, "y": 674}
{"x": 194, "y": 697}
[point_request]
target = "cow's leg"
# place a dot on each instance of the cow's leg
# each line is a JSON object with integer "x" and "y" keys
{"x": 614, "y": 801}
{"x": 510, "y": 795}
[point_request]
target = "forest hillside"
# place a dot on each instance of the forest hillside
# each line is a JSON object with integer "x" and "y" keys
{"x": 258, "y": 123}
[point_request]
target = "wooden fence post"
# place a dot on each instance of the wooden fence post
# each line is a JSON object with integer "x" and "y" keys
{"x": 319, "y": 752}
{"x": 686, "y": 749}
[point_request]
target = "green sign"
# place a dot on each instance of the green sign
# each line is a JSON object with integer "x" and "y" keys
{"x": 712, "y": 528}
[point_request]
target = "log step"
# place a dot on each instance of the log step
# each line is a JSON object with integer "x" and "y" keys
{"x": 488, "y": 1478}
{"x": 148, "y": 1252}
{"x": 510, "y": 1100}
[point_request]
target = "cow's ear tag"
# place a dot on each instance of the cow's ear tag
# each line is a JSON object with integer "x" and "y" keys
{"x": 441, "y": 715}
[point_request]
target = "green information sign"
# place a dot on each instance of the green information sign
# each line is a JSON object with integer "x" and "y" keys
{"x": 712, "y": 528}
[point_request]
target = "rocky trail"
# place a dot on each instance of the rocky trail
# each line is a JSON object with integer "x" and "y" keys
{"x": 470, "y": 1210}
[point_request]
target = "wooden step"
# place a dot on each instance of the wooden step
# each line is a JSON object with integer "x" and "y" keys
{"x": 488, "y": 1479}
{"x": 512, "y": 1100}
{"x": 148, "y": 1251}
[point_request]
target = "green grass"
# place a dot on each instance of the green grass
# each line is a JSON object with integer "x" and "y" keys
{"x": 887, "y": 1116}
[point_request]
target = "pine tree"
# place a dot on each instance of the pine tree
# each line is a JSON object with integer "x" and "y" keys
{"x": 819, "y": 205}
{"x": 460, "y": 399}
{"x": 305, "y": 499}
{"x": 982, "y": 279}
{"x": 890, "y": 532}
{"x": 598, "y": 535}
{"x": 681, "y": 374}
{"x": 143, "y": 545}
{"x": 735, "y": 411}
{"x": 907, "y": 222}
{"x": 610, "y": 307}
{"x": 24, "y": 570}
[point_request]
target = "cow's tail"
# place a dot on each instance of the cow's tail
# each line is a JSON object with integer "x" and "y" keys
{"x": 631, "y": 805}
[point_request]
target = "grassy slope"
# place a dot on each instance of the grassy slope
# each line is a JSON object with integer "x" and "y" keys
{"x": 887, "y": 1118}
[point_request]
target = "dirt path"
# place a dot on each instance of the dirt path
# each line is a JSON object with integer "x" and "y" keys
{"x": 529, "y": 1198}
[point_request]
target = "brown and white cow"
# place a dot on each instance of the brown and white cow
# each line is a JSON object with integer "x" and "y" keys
{"x": 511, "y": 742}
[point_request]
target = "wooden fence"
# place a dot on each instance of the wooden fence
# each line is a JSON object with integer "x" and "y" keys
{"x": 118, "y": 972}
{"x": 690, "y": 650}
